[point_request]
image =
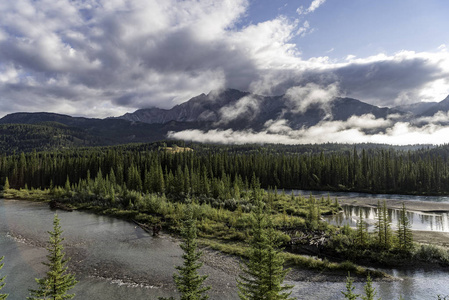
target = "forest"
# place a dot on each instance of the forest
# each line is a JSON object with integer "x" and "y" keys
{"x": 215, "y": 171}
{"x": 224, "y": 186}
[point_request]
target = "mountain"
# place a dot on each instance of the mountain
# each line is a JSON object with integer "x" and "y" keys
{"x": 228, "y": 109}
{"x": 92, "y": 131}
{"x": 241, "y": 110}
{"x": 416, "y": 108}
{"x": 440, "y": 106}
{"x": 42, "y": 136}
{"x": 202, "y": 108}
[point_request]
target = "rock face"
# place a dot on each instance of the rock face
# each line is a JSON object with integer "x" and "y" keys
{"x": 227, "y": 109}
{"x": 203, "y": 108}
{"x": 241, "y": 110}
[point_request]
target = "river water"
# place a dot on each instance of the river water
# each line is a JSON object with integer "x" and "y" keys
{"x": 115, "y": 260}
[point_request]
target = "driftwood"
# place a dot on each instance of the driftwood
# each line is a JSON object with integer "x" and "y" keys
{"x": 316, "y": 238}
{"x": 154, "y": 230}
{"x": 58, "y": 205}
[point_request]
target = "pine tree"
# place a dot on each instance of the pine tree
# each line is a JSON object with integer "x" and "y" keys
{"x": 188, "y": 281}
{"x": 2, "y": 279}
{"x": 6, "y": 185}
{"x": 57, "y": 280}
{"x": 349, "y": 294}
{"x": 370, "y": 291}
{"x": 263, "y": 273}
{"x": 361, "y": 230}
{"x": 275, "y": 266}
{"x": 383, "y": 226}
{"x": 250, "y": 284}
{"x": 404, "y": 233}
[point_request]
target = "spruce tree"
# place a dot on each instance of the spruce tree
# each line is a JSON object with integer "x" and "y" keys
{"x": 6, "y": 185}
{"x": 383, "y": 226}
{"x": 361, "y": 231}
{"x": 2, "y": 279}
{"x": 370, "y": 291}
{"x": 274, "y": 263}
{"x": 404, "y": 232}
{"x": 349, "y": 294}
{"x": 251, "y": 282}
{"x": 57, "y": 281}
{"x": 188, "y": 281}
{"x": 263, "y": 273}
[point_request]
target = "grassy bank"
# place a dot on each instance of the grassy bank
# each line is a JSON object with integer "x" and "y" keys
{"x": 219, "y": 229}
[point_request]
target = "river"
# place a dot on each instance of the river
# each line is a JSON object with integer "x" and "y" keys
{"x": 114, "y": 259}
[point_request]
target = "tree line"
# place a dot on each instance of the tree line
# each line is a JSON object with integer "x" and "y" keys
{"x": 221, "y": 172}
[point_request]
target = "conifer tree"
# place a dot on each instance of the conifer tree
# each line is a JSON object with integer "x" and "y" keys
{"x": 370, "y": 291}
{"x": 264, "y": 271}
{"x": 349, "y": 294}
{"x": 6, "y": 185}
{"x": 57, "y": 281}
{"x": 404, "y": 232}
{"x": 251, "y": 283}
{"x": 361, "y": 230}
{"x": 188, "y": 282}
{"x": 2, "y": 279}
{"x": 383, "y": 226}
{"x": 275, "y": 266}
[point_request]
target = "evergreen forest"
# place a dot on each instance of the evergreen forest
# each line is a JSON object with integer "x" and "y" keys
{"x": 237, "y": 194}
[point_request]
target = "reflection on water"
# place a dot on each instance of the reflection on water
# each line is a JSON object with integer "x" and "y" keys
{"x": 418, "y": 220}
{"x": 371, "y": 196}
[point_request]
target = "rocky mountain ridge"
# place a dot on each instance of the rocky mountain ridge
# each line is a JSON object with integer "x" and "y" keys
{"x": 228, "y": 109}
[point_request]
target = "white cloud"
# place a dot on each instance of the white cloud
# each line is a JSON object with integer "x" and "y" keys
{"x": 302, "y": 97}
{"x": 302, "y": 31}
{"x": 351, "y": 131}
{"x": 313, "y": 6}
{"x": 89, "y": 55}
{"x": 247, "y": 106}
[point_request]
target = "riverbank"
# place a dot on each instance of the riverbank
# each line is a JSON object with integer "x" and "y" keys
{"x": 419, "y": 236}
{"x": 411, "y": 205}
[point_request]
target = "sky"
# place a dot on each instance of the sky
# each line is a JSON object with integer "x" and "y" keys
{"x": 100, "y": 58}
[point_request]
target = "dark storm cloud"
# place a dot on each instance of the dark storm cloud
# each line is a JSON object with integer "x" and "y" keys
{"x": 382, "y": 82}
{"x": 101, "y": 58}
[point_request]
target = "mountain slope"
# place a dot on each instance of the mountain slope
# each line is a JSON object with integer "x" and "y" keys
{"x": 42, "y": 136}
{"x": 202, "y": 108}
{"x": 104, "y": 131}
{"x": 416, "y": 108}
{"x": 440, "y": 106}
{"x": 239, "y": 110}
{"x": 228, "y": 109}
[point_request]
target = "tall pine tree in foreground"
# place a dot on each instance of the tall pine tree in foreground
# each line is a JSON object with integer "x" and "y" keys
{"x": 188, "y": 282}
{"x": 275, "y": 272}
{"x": 2, "y": 279}
{"x": 57, "y": 281}
{"x": 263, "y": 273}
{"x": 404, "y": 232}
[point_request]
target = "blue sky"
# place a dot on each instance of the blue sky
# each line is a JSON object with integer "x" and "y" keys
{"x": 361, "y": 27}
{"x": 100, "y": 58}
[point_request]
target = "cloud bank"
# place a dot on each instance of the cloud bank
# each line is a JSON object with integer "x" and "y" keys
{"x": 100, "y": 58}
{"x": 363, "y": 129}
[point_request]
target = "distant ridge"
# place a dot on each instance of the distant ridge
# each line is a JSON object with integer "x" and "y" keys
{"x": 223, "y": 110}
{"x": 253, "y": 111}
